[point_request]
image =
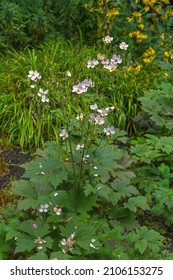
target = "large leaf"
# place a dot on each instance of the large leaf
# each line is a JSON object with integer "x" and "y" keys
{"x": 24, "y": 188}
{"x": 137, "y": 202}
{"x": 45, "y": 170}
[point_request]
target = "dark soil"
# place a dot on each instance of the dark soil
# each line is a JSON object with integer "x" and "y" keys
{"x": 10, "y": 161}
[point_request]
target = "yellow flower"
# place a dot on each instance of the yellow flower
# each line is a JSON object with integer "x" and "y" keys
{"x": 130, "y": 68}
{"x": 149, "y": 52}
{"x": 129, "y": 19}
{"x": 147, "y": 59}
{"x": 158, "y": 8}
{"x": 165, "y": 1}
{"x": 167, "y": 54}
{"x": 138, "y": 68}
{"x": 146, "y": 8}
{"x": 112, "y": 13}
{"x": 149, "y": 2}
{"x": 141, "y": 26}
{"x": 137, "y": 14}
{"x": 166, "y": 74}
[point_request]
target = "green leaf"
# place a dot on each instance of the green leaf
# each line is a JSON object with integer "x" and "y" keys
{"x": 24, "y": 243}
{"x": 122, "y": 187}
{"x": 24, "y": 188}
{"x": 27, "y": 204}
{"x": 38, "y": 256}
{"x": 60, "y": 256}
{"x": 141, "y": 245}
{"x": 137, "y": 202}
{"x": 46, "y": 170}
{"x": 12, "y": 233}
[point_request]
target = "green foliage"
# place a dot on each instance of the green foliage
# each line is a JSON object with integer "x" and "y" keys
{"x": 158, "y": 104}
{"x": 88, "y": 193}
{"x": 146, "y": 240}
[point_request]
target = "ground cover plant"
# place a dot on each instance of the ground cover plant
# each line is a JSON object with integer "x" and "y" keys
{"x": 97, "y": 119}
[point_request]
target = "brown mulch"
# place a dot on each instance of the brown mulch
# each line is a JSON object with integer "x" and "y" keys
{"x": 10, "y": 161}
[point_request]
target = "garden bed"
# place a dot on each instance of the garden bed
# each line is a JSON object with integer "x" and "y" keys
{"x": 11, "y": 159}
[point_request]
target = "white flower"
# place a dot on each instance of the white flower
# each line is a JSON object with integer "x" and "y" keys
{"x": 80, "y": 88}
{"x": 39, "y": 241}
{"x": 42, "y": 93}
{"x": 123, "y": 46}
{"x": 68, "y": 73}
{"x": 99, "y": 120}
{"x": 87, "y": 83}
{"x": 43, "y": 208}
{"x": 85, "y": 158}
{"x": 80, "y": 117}
{"x": 112, "y": 107}
{"x": 69, "y": 241}
{"x": 94, "y": 107}
{"x": 112, "y": 66}
{"x": 107, "y": 39}
{"x": 55, "y": 194}
{"x": 103, "y": 112}
{"x": 101, "y": 56}
{"x": 91, "y": 118}
{"x": 171, "y": 57}
{"x": 32, "y": 86}
{"x": 57, "y": 210}
{"x": 109, "y": 130}
{"x": 34, "y": 75}
{"x": 116, "y": 58}
{"x": 64, "y": 134}
{"x": 105, "y": 61}
{"x": 79, "y": 146}
{"x": 92, "y": 63}
{"x": 44, "y": 99}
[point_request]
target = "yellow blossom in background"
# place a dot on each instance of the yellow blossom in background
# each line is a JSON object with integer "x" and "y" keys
{"x": 130, "y": 68}
{"x": 149, "y": 52}
{"x": 158, "y": 8}
{"x": 112, "y": 13}
{"x": 166, "y": 74}
{"x": 165, "y": 15}
{"x": 146, "y": 8}
{"x": 129, "y": 19}
{"x": 165, "y": 1}
{"x": 148, "y": 55}
{"x": 138, "y": 68}
{"x": 137, "y": 14}
{"x": 141, "y": 26}
{"x": 167, "y": 55}
{"x": 147, "y": 59}
{"x": 149, "y": 2}
{"x": 139, "y": 36}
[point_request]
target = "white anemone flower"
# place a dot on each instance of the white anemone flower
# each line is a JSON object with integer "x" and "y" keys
{"x": 34, "y": 75}
{"x": 99, "y": 120}
{"x": 64, "y": 134}
{"x": 44, "y": 208}
{"x": 109, "y": 130}
{"x": 94, "y": 107}
{"x": 107, "y": 39}
{"x": 123, "y": 46}
{"x": 92, "y": 63}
